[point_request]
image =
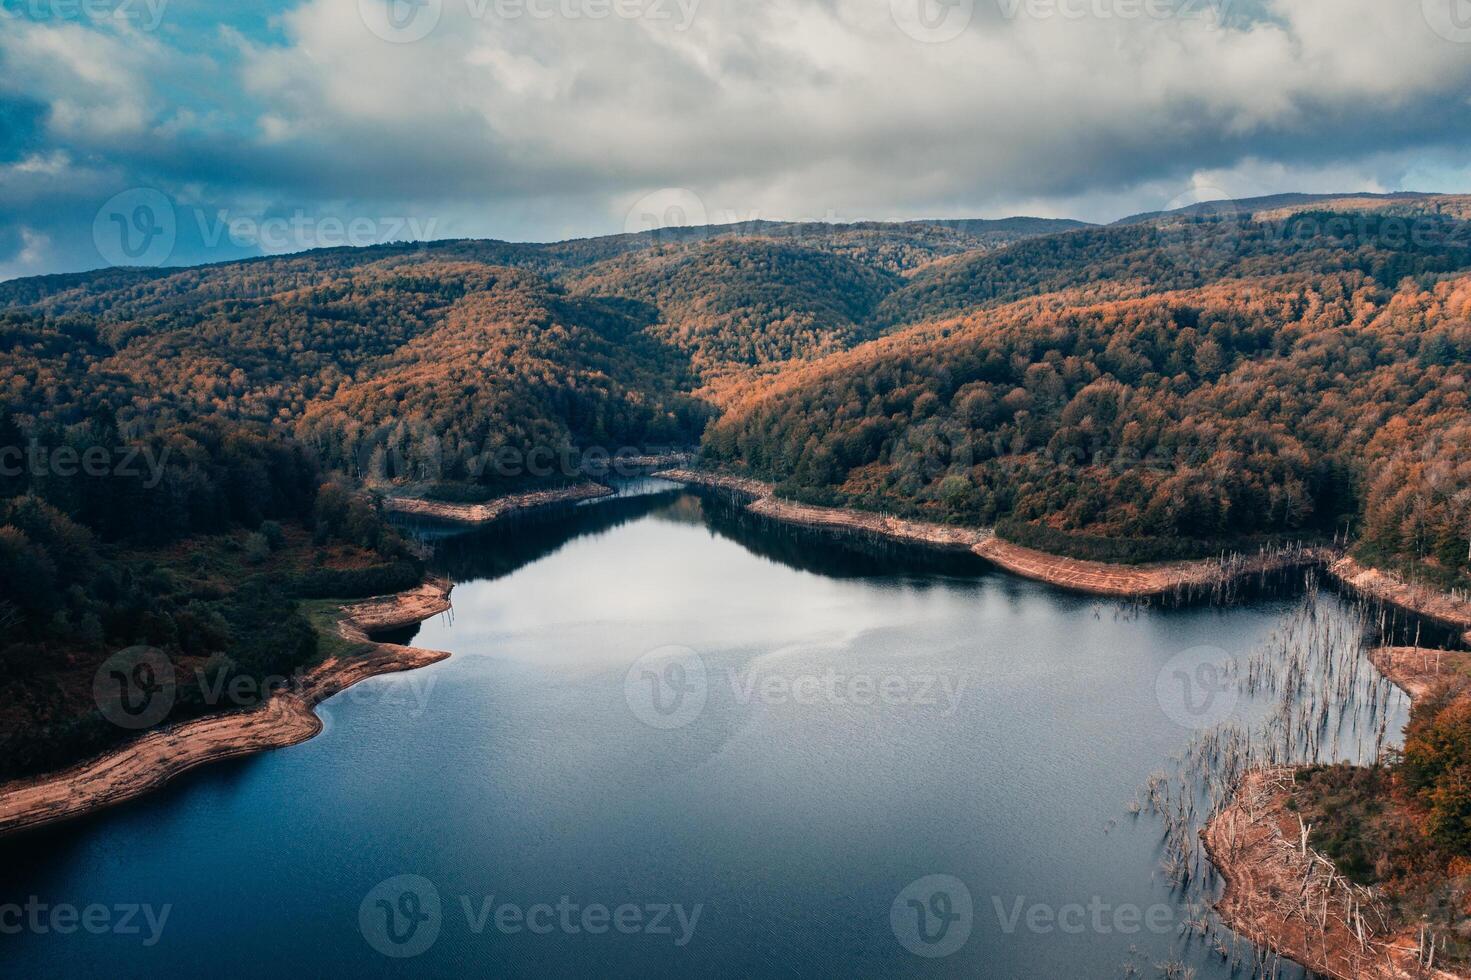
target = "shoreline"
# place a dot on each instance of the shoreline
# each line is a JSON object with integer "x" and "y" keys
{"x": 1388, "y": 588}
{"x": 766, "y": 504}
{"x": 1419, "y": 670}
{"x": 396, "y": 610}
{"x": 287, "y": 718}
{"x": 1177, "y": 578}
{"x": 496, "y": 508}
{"x": 940, "y": 536}
{"x": 1180, "y": 578}
{"x": 1258, "y": 850}
{"x": 1255, "y": 844}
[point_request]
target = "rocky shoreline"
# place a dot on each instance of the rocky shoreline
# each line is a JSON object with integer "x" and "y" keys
{"x": 493, "y": 510}
{"x": 287, "y": 718}
{"x": 390, "y": 612}
{"x": 1179, "y": 578}
{"x": 943, "y": 536}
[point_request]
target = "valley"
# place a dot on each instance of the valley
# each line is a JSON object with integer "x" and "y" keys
{"x": 1181, "y": 410}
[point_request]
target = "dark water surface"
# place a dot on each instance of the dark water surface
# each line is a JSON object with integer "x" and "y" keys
{"x": 657, "y": 704}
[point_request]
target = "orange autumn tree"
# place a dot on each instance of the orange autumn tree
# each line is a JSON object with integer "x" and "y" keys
{"x": 1436, "y": 768}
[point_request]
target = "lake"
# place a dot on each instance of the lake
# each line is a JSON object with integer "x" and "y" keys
{"x": 677, "y": 740}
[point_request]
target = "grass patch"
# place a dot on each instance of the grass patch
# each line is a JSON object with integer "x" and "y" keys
{"x": 1350, "y": 818}
{"x": 324, "y": 614}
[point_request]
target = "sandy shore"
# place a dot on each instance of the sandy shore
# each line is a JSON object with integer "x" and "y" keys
{"x": 1183, "y": 578}
{"x": 1389, "y": 588}
{"x": 286, "y": 719}
{"x": 944, "y": 536}
{"x": 1091, "y": 577}
{"x": 494, "y": 510}
{"x": 765, "y": 503}
{"x": 720, "y": 481}
{"x": 389, "y": 612}
{"x": 1271, "y": 878}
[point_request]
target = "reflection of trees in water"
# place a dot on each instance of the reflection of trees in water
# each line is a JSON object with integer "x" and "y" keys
{"x": 511, "y": 543}
{"x": 835, "y": 553}
{"x": 687, "y": 508}
{"x": 501, "y": 548}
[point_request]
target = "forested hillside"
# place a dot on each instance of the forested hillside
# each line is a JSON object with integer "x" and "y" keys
{"x": 1163, "y": 387}
{"x": 512, "y": 365}
{"x": 382, "y": 358}
{"x": 1234, "y": 374}
{"x": 736, "y": 305}
{"x": 1121, "y": 261}
{"x": 1291, "y": 405}
{"x": 128, "y": 518}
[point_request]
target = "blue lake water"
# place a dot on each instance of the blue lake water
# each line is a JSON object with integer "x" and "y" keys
{"x": 676, "y": 741}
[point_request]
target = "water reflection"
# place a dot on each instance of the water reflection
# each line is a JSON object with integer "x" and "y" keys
{"x": 501, "y": 548}
{"x": 851, "y": 727}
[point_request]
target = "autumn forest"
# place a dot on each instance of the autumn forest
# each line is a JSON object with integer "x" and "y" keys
{"x": 1166, "y": 387}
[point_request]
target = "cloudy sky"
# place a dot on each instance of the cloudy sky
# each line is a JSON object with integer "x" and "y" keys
{"x": 180, "y": 131}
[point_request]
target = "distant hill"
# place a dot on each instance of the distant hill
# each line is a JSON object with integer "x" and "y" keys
{"x": 746, "y": 303}
{"x": 832, "y": 357}
{"x": 1284, "y": 203}
{"x": 263, "y": 338}
{"x": 897, "y": 246}
{"x": 512, "y": 364}
{"x": 1172, "y": 251}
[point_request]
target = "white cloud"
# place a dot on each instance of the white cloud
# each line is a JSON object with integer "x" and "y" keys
{"x": 95, "y": 81}
{"x": 833, "y": 101}
{"x": 545, "y": 126}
